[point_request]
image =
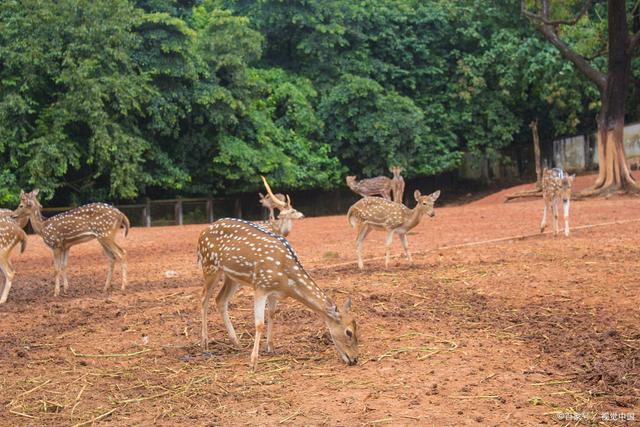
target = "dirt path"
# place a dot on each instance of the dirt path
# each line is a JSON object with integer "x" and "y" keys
{"x": 510, "y": 333}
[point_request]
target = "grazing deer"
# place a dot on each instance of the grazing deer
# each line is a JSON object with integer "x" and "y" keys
{"x": 556, "y": 184}
{"x": 93, "y": 221}
{"x": 7, "y": 213}
{"x": 284, "y": 223}
{"x": 369, "y": 187}
{"x": 376, "y": 213}
{"x": 247, "y": 254}
{"x": 397, "y": 183}
{"x": 10, "y": 234}
{"x": 267, "y": 202}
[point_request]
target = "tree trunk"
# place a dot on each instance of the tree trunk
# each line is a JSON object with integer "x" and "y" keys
{"x": 536, "y": 152}
{"x": 613, "y": 170}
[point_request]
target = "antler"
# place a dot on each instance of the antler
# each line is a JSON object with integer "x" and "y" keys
{"x": 273, "y": 197}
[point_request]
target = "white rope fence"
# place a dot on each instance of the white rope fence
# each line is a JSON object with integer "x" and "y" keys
{"x": 478, "y": 243}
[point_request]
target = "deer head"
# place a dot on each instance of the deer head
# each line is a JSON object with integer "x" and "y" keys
{"x": 342, "y": 327}
{"x": 286, "y": 210}
{"x": 425, "y": 203}
{"x": 28, "y": 204}
{"x": 396, "y": 170}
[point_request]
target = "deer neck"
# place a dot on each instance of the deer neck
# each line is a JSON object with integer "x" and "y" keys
{"x": 37, "y": 221}
{"x": 305, "y": 290}
{"x": 284, "y": 225}
{"x": 413, "y": 217}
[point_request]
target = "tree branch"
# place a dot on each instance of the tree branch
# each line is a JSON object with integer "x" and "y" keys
{"x": 634, "y": 42}
{"x": 598, "y": 54}
{"x": 546, "y": 27}
{"x": 544, "y": 18}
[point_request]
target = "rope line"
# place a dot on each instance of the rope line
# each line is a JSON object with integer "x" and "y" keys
{"x": 478, "y": 243}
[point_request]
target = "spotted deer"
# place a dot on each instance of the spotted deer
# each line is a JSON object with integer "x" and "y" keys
{"x": 371, "y": 186}
{"x": 242, "y": 253}
{"x": 397, "y": 183}
{"x": 376, "y": 213}
{"x": 7, "y": 213}
{"x": 556, "y": 184}
{"x": 93, "y": 221}
{"x": 284, "y": 223}
{"x": 10, "y": 235}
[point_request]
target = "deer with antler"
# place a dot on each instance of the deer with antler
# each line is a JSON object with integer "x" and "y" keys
{"x": 243, "y": 253}
{"x": 397, "y": 183}
{"x": 371, "y": 186}
{"x": 10, "y": 235}
{"x": 394, "y": 218}
{"x": 284, "y": 223}
{"x": 93, "y": 221}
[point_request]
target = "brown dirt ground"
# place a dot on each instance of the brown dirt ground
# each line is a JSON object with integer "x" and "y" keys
{"x": 504, "y": 333}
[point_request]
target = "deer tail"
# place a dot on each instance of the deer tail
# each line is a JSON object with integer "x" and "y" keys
{"x": 126, "y": 224}
{"x": 351, "y": 218}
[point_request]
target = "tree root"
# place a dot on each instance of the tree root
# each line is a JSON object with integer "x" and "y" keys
{"x": 611, "y": 190}
{"x": 533, "y": 192}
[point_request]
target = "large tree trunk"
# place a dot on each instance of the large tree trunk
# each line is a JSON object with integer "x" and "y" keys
{"x": 613, "y": 170}
{"x": 536, "y": 152}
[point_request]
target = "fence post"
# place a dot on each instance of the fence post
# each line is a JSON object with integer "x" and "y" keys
{"x": 147, "y": 213}
{"x": 178, "y": 211}
{"x": 238, "y": 208}
{"x": 210, "y": 208}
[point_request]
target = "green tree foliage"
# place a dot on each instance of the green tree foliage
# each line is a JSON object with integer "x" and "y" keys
{"x": 113, "y": 100}
{"x": 279, "y": 136}
{"x": 69, "y": 95}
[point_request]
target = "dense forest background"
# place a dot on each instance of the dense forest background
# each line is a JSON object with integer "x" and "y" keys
{"x": 116, "y": 100}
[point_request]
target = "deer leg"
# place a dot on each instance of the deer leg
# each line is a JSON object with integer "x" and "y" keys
{"x": 405, "y": 246}
{"x": 363, "y": 230}
{"x": 112, "y": 259}
{"x": 57, "y": 261}
{"x": 543, "y": 224}
{"x": 554, "y": 210}
{"x": 207, "y": 289}
{"x": 260, "y": 300}
{"x": 9, "y": 272}
{"x": 272, "y": 305}
{"x": 63, "y": 269}
{"x": 387, "y": 253}
{"x": 225, "y": 294}
{"x": 121, "y": 255}
{"x": 565, "y": 206}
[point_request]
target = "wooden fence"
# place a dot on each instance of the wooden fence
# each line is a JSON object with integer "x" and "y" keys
{"x": 160, "y": 212}
{"x": 183, "y": 210}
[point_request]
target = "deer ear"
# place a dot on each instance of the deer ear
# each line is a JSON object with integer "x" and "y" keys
{"x": 434, "y": 196}
{"x": 35, "y": 191}
{"x": 347, "y": 305}
{"x": 21, "y": 193}
{"x": 416, "y": 195}
{"x": 572, "y": 177}
{"x": 332, "y": 309}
